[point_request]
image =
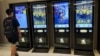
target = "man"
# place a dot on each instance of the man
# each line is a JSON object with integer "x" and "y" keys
{"x": 13, "y": 33}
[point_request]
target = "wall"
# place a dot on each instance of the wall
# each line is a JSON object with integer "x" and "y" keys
{"x": 0, "y": 22}
{"x": 2, "y": 15}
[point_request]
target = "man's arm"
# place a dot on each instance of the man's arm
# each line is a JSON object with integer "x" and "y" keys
{"x": 17, "y": 26}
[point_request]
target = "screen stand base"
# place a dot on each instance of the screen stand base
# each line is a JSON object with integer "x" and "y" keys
{"x": 98, "y": 49}
{"x": 62, "y": 50}
{"x": 84, "y": 53}
{"x": 40, "y": 50}
{"x": 23, "y": 49}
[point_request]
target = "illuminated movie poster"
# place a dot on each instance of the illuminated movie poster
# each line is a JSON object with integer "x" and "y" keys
{"x": 39, "y": 15}
{"x": 61, "y": 15}
{"x": 20, "y": 13}
{"x": 84, "y": 14}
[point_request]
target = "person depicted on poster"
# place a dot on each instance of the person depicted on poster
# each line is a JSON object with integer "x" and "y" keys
{"x": 61, "y": 13}
{"x": 39, "y": 15}
{"x": 84, "y": 14}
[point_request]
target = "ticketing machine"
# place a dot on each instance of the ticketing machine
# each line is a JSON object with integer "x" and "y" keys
{"x": 61, "y": 26}
{"x": 84, "y": 22}
{"x": 21, "y": 14}
{"x": 40, "y": 27}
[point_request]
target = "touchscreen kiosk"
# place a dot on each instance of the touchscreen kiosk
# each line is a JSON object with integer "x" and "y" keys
{"x": 21, "y": 14}
{"x": 84, "y": 18}
{"x": 39, "y": 25}
{"x": 61, "y": 25}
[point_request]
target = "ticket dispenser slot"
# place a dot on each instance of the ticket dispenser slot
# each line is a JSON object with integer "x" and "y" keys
{"x": 61, "y": 40}
{"x": 40, "y": 40}
{"x": 40, "y": 31}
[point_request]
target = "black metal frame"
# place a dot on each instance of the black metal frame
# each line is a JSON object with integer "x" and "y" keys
{"x": 28, "y": 26}
{"x": 37, "y": 34}
{"x": 80, "y": 47}
{"x": 64, "y": 34}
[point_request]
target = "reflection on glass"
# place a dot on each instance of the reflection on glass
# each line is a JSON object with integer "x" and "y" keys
{"x": 20, "y": 13}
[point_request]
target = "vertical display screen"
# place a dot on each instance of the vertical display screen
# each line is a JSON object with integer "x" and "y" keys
{"x": 61, "y": 15}
{"x": 84, "y": 14}
{"x": 20, "y": 13}
{"x": 39, "y": 15}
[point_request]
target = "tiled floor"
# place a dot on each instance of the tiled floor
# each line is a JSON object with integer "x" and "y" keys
{"x": 5, "y": 51}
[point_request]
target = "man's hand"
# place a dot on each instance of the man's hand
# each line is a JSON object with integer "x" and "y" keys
{"x": 4, "y": 36}
{"x": 20, "y": 35}
{"x": 19, "y": 32}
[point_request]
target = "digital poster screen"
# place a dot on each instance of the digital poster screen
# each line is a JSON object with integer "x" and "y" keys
{"x": 61, "y": 14}
{"x": 21, "y": 15}
{"x": 39, "y": 15}
{"x": 84, "y": 14}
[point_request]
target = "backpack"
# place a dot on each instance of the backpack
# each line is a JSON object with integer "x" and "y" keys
{"x": 9, "y": 29}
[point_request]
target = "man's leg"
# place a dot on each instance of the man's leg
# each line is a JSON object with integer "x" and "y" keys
{"x": 13, "y": 50}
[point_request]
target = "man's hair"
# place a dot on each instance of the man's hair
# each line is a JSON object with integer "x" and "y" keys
{"x": 9, "y": 11}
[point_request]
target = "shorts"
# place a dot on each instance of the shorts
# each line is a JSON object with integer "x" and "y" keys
{"x": 13, "y": 40}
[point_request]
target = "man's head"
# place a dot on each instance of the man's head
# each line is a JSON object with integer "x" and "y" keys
{"x": 9, "y": 12}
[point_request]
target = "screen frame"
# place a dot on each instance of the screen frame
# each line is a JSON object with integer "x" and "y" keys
{"x": 26, "y": 14}
{"x": 32, "y": 20}
{"x": 92, "y": 17}
{"x": 68, "y": 13}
